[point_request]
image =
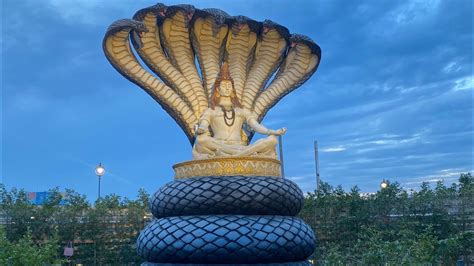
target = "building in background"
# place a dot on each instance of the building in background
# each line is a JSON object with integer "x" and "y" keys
{"x": 39, "y": 198}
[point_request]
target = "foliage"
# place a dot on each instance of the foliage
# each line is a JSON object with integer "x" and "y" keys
{"x": 393, "y": 226}
{"x": 103, "y": 233}
{"x": 26, "y": 252}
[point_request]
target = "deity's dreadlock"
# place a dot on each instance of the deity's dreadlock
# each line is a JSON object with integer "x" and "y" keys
{"x": 224, "y": 75}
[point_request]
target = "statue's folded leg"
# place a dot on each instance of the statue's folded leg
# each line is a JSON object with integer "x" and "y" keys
{"x": 210, "y": 146}
{"x": 264, "y": 146}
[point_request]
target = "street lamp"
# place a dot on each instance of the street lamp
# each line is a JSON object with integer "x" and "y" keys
{"x": 144, "y": 220}
{"x": 99, "y": 171}
{"x": 384, "y": 184}
{"x": 280, "y": 145}
{"x": 316, "y": 163}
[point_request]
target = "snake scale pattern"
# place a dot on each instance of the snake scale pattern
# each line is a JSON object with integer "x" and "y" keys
{"x": 172, "y": 41}
{"x": 227, "y": 219}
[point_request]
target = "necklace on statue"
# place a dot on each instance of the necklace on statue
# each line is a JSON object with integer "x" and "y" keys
{"x": 228, "y": 120}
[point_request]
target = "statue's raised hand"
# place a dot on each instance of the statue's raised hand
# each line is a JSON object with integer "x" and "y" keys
{"x": 281, "y": 131}
{"x": 277, "y": 132}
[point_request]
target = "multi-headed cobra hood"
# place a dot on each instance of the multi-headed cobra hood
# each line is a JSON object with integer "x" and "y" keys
{"x": 169, "y": 39}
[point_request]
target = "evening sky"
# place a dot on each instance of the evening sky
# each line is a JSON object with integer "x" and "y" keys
{"x": 392, "y": 97}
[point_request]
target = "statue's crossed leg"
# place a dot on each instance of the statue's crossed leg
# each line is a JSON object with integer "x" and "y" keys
{"x": 264, "y": 147}
{"x": 209, "y": 147}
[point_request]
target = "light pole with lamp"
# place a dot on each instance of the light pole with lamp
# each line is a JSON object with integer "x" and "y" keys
{"x": 99, "y": 171}
{"x": 384, "y": 184}
{"x": 144, "y": 220}
{"x": 316, "y": 163}
{"x": 280, "y": 145}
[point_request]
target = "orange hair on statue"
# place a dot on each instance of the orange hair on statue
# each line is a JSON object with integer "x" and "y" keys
{"x": 224, "y": 74}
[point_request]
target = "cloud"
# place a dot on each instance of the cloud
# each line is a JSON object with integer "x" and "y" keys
{"x": 299, "y": 178}
{"x": 87, "y": 12}
{"x": 361, "y": 145}
{"x": 415, "y": 12}
{"x": 465, "y": 83}
{"x": 333, "y": 149}
{"x": 423, "y": 181}
{"x": 445, "y": 175}
{"x": 452, "y": 67}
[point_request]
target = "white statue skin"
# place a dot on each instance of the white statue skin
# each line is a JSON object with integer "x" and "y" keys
{"x": 227, "y": 140}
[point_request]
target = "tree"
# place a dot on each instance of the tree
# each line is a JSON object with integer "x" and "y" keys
{"x": 392, "y": 226}
{"x": 27, "y": 252}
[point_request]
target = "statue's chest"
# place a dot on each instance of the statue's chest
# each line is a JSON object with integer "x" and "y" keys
{"x": 227, "y": 120}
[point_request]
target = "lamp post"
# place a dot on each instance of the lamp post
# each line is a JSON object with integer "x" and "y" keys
{"x": 99, "y": 171}
{"x": 316, "y": 163}
{"x": 144, "y": 220}
{"x": 384, "y": 184}
{"x": 280, "y": 145}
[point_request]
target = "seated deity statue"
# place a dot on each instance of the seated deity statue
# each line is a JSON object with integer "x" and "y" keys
{"x": 220, "y": 128}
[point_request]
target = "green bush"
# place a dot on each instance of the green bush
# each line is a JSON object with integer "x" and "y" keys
{"x": 393, "y": 226}
{"x": 26, "y": 252}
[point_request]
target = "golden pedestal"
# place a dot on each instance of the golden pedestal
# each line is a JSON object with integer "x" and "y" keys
{"x": 228, "y": 166}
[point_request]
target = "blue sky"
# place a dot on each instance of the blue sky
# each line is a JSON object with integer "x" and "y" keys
{"x": 392, "y": 97}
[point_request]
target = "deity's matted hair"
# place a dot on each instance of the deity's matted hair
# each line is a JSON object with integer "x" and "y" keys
{"x": 224, "y": 74}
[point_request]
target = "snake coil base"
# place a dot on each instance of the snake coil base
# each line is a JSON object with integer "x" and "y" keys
{"x": 230, "y": 220}
{"x": 227, "y": 195}
{"x": 226, "y": 239}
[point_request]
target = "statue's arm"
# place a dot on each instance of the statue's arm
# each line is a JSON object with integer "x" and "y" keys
{"x": 259, "y": 128}
{"x": 203, "y": 125}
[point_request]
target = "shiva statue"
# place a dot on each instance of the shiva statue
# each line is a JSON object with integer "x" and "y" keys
{"x": 220, "y": 127}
